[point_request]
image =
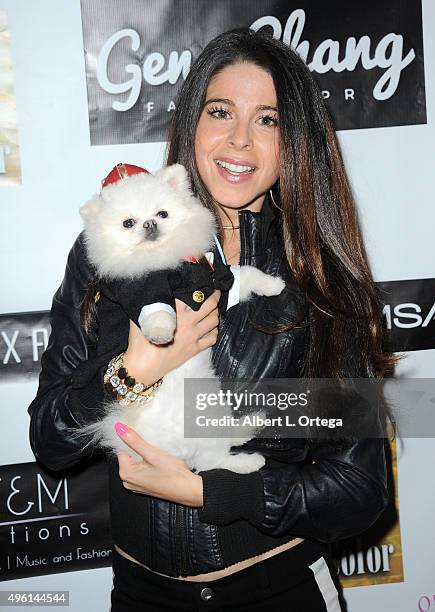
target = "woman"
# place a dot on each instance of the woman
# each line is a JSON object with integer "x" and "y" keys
{"x": 253, "y": 132}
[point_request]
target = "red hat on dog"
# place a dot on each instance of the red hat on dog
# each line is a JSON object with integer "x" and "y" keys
{"x": 120, "y": 172}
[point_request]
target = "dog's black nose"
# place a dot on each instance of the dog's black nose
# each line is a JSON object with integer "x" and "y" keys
{"x": 151, "y": 229}
{"x": 150, "y": 225}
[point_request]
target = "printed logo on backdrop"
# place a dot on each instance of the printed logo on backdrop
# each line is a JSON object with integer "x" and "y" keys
{"x": 52, "y": 523}
{"x": 23, "y": 339}
{"x": 375, "y": 556}
{"x": 10, "y": 166}
{"x": 367, "y": 59}
{"x": 409, "y": 313}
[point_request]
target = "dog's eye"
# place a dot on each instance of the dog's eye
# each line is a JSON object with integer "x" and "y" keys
{"x": 128, "y": 223}
{"x": 162, "y": 213}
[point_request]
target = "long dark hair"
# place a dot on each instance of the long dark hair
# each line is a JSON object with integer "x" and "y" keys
{"x": 319, "y": 219}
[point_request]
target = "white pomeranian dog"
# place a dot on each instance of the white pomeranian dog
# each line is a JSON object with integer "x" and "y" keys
{"x": 136, "y": 227}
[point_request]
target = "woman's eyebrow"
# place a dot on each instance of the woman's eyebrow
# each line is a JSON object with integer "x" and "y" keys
{"x": 222, "y": 100}
{"x": 260, "y": 107}
{"x": 266, "y": 107}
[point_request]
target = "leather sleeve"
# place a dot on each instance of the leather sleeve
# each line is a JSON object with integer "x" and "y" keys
{"x": 71, "y": 379}
{"x": 338, "y": 495}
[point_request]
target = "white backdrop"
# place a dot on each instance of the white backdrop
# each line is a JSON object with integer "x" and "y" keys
{"x": 392, "y": 172}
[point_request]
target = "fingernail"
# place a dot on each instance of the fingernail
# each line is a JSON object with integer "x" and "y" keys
{"x": 121, "y": 428}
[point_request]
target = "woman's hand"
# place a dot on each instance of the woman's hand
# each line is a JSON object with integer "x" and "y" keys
{"x": 196, "y": 331}
{"x": 158, "y": 474}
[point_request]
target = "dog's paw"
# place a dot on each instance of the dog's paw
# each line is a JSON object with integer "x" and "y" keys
{"x": 159, "y": 327}
{"x": 256, "y": 281}
{"x": 273, "y": 285}
{"x": 243, "y": 463}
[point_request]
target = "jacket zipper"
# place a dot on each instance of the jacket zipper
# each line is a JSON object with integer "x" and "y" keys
{"x": 180, "y": 528}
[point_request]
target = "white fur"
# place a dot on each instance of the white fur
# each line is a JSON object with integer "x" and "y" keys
{"x": 118, "y": 253}
{"x": 159, "y": 327}
{"x": 161, "y": 423}
{"x": 253, "y": 280}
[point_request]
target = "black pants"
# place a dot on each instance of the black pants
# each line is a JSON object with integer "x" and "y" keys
{"x": 295, "y": 580}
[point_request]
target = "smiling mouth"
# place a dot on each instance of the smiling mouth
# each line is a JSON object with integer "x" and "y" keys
{"x": 235, "y": 169}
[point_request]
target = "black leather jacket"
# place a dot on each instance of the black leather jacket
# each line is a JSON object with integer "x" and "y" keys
{"x": 320, "y": 491}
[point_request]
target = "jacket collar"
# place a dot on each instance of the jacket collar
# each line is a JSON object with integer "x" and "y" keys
{"x": 256, "y": 231}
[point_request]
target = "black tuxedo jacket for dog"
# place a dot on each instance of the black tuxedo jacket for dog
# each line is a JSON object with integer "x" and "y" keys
{"x": 190, "y": 282}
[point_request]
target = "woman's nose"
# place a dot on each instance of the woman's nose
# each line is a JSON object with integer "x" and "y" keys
{"x": 240, "y": 136}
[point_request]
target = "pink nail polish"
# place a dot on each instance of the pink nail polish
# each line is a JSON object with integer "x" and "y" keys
{"x": 121, "y": 428}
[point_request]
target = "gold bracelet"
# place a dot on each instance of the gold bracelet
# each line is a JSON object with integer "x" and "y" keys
{"x": 123, "y": 387}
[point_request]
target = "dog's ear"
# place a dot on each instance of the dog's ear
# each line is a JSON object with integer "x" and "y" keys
{"x": 91, "y": 208}
{"x": 176, "y": 176}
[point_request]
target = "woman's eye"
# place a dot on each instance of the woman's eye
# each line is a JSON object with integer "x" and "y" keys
{"x": 268, "y": 120}
{"x": 217, "y": 112}
{"x": 162, "y": 213}
{"x": 128, "y": 223}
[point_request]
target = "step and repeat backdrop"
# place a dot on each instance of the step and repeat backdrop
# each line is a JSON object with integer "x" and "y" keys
{"x": 85, "y": 85}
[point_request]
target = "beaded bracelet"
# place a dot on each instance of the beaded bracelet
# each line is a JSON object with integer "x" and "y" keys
{"x": 123, "y": 387}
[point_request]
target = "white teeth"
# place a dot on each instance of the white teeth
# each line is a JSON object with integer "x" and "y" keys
{"x": 234, "y": 167}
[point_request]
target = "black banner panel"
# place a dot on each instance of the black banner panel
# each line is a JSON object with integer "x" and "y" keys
{"x": 409, "y": 313}
{"x": 367, "y": 58}
{"x": 51, "y": 523}
{"x": 23, "y": 338}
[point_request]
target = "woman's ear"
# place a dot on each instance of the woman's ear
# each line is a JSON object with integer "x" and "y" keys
{"x": 91, "y": 208}
{"x": 176, "y": 176}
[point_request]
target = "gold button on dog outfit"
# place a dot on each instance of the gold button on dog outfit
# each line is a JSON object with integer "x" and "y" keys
{"x": 198, "y": 296}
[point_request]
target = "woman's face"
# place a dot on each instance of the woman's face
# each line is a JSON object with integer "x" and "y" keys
{"x": 237, "y": 138}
